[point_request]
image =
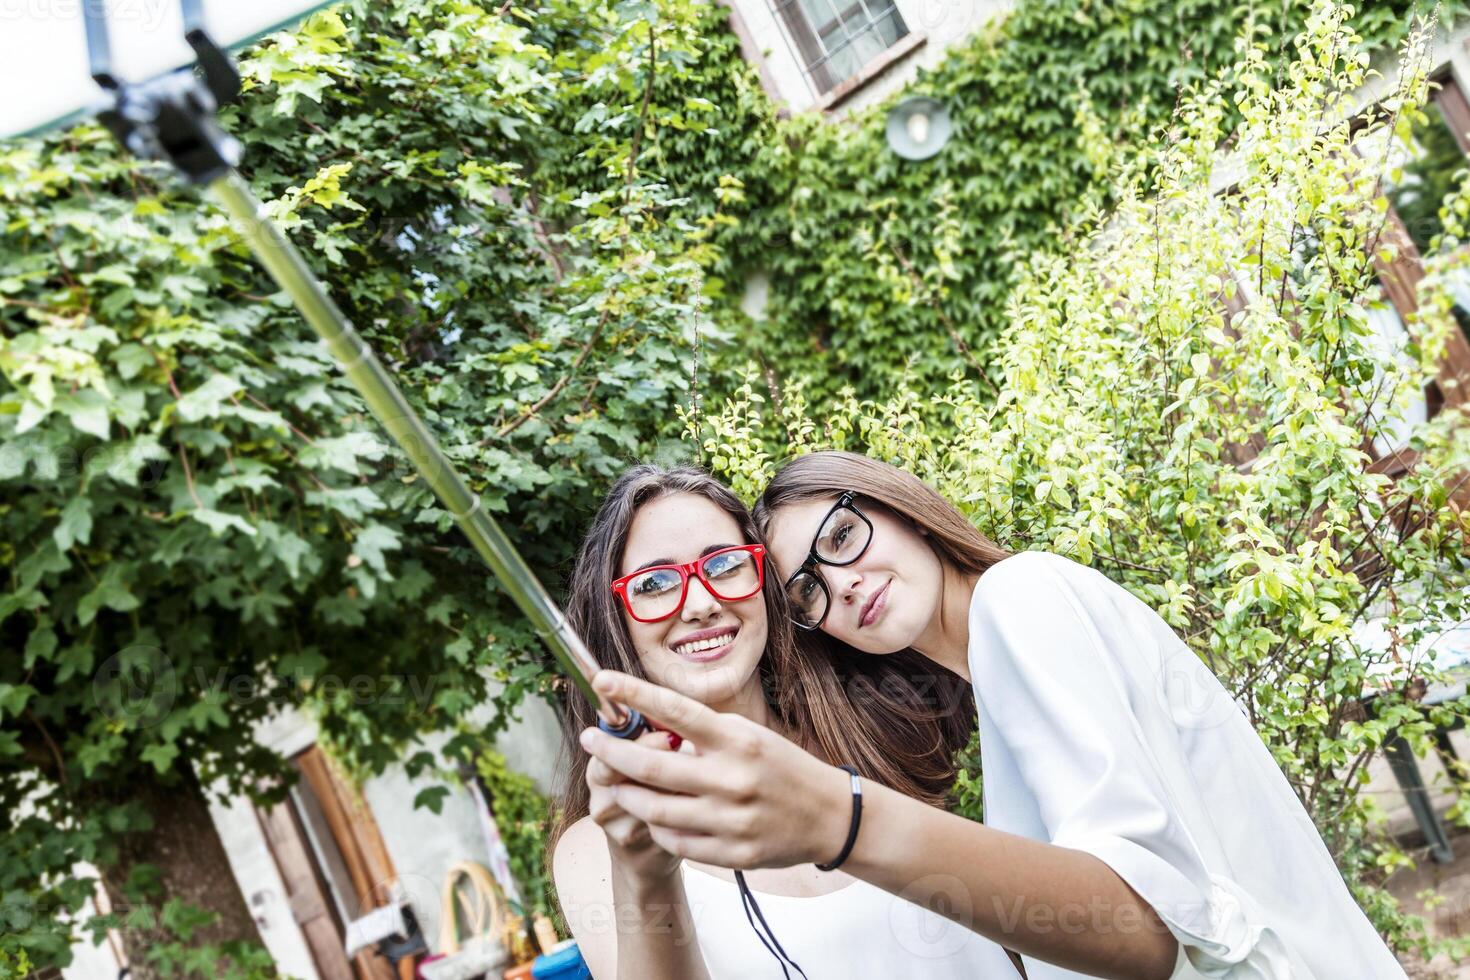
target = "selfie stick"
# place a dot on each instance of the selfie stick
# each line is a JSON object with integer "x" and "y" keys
{"x": 172, "y": 118}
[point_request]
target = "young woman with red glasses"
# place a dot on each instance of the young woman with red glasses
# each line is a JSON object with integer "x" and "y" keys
{"x": 1135, "y": 824}
{"x": 668, "y": 587}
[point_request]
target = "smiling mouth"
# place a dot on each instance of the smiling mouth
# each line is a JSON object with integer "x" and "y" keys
{"x": 875, "y": 605}
{"x": 707, "y": 648}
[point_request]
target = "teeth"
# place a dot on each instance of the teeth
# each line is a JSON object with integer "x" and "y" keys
{"x": 699, "y": 646}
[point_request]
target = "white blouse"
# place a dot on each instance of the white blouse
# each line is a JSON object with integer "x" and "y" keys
{"x": 1101, "y": 731}
{"x": 856, "y": 932}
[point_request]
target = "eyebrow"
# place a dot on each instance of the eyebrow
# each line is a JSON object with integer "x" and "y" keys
{"x": 669, "y": 561}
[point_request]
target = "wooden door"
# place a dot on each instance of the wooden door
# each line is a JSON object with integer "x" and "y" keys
{"x": 360, "y": 855}
{"x": 334, "y": 864}
{"x": 306, "y": 891}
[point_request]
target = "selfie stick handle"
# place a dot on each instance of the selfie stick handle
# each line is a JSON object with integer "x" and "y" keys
{"x": 172, "y": 118}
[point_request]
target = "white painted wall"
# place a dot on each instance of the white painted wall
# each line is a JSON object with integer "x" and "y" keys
{"x": 424, "y": 846}
{"x": 942, "y": 22}
{"x": 91, "y": 961}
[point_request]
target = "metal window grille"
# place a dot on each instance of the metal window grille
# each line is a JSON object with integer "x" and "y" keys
{"x": 833, "y": 39}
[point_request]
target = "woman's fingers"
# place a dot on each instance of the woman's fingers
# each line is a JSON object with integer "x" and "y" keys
{"x": 670, "y": 709}
{"x": 668, "y": 810}
{"x": 652, "y": 767}
{"x": 704, "y": 848}
{"x": 750, "y": 798}
{"x": 600, "y": 774}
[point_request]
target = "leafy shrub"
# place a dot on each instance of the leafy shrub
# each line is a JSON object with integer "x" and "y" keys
{"x": 522, "y": 815}
{"x": 199, "y": 523}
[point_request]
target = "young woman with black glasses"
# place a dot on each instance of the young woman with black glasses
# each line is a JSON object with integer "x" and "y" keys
{"x": 1135, "y": 824}
{"x": 668, "y": 587}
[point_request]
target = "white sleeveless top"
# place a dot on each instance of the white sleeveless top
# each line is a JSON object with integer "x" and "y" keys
{"x": 858, "y": 931}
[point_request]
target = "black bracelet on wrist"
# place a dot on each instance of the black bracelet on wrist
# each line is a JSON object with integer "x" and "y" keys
{"x": 857, "y": 817}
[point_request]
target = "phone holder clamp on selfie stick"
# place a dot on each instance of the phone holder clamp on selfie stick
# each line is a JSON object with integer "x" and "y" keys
{"x": 171, "y": 118}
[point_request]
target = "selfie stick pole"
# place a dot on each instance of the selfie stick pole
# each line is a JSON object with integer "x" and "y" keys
{"x": 172, "y": 118}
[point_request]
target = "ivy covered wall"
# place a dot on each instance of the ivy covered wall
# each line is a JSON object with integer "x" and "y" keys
{"x": 198, "y": 521}
{"x": 880, "y": 265}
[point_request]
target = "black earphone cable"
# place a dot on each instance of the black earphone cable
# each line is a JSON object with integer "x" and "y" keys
{"x": 773, "y": 945}
{"x": 753, "y": 909}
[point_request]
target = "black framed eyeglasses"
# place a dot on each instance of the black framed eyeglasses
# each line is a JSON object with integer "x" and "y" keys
{"x": 841, "y": 539}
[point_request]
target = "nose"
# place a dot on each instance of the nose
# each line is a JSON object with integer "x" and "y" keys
{"x": 699, "y": 602}
{"x": 843, "y": 581}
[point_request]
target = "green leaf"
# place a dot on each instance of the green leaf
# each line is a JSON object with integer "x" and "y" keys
{"x": 343, "y": 452}
{"x": 14, "y": 698}
{"x": 303, "y": 664}
{"x": 124, "y": 461}
{"x": 289, "y": 548}
{"x": 372, "y": 542}
{"x": 86, "y": 410}
{"x": 219, "y": 522}
{"x": 431, "y": 798}
{"x": 40, "y": 645}
{"x": 205, "y": 401}
{"x": 132, "y": 360}
{"x": 110, "y": 592}
{"x": 75, "y": 526}
{"x": 161, "y": 756}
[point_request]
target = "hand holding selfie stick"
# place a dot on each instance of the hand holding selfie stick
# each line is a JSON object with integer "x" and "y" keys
{"x": 171, "y": 118}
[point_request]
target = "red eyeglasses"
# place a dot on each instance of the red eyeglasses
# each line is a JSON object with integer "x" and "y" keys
{"x": 656, "y": 593}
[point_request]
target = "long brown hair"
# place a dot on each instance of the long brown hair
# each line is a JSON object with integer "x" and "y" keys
{"x": 955, "y": 540}
{"x": 873, "y": 713}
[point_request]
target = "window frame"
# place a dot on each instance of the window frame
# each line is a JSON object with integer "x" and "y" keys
{"x": 809, "y": 52}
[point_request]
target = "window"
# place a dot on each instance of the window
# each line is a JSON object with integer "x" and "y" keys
{"x": 835, "y": 39}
